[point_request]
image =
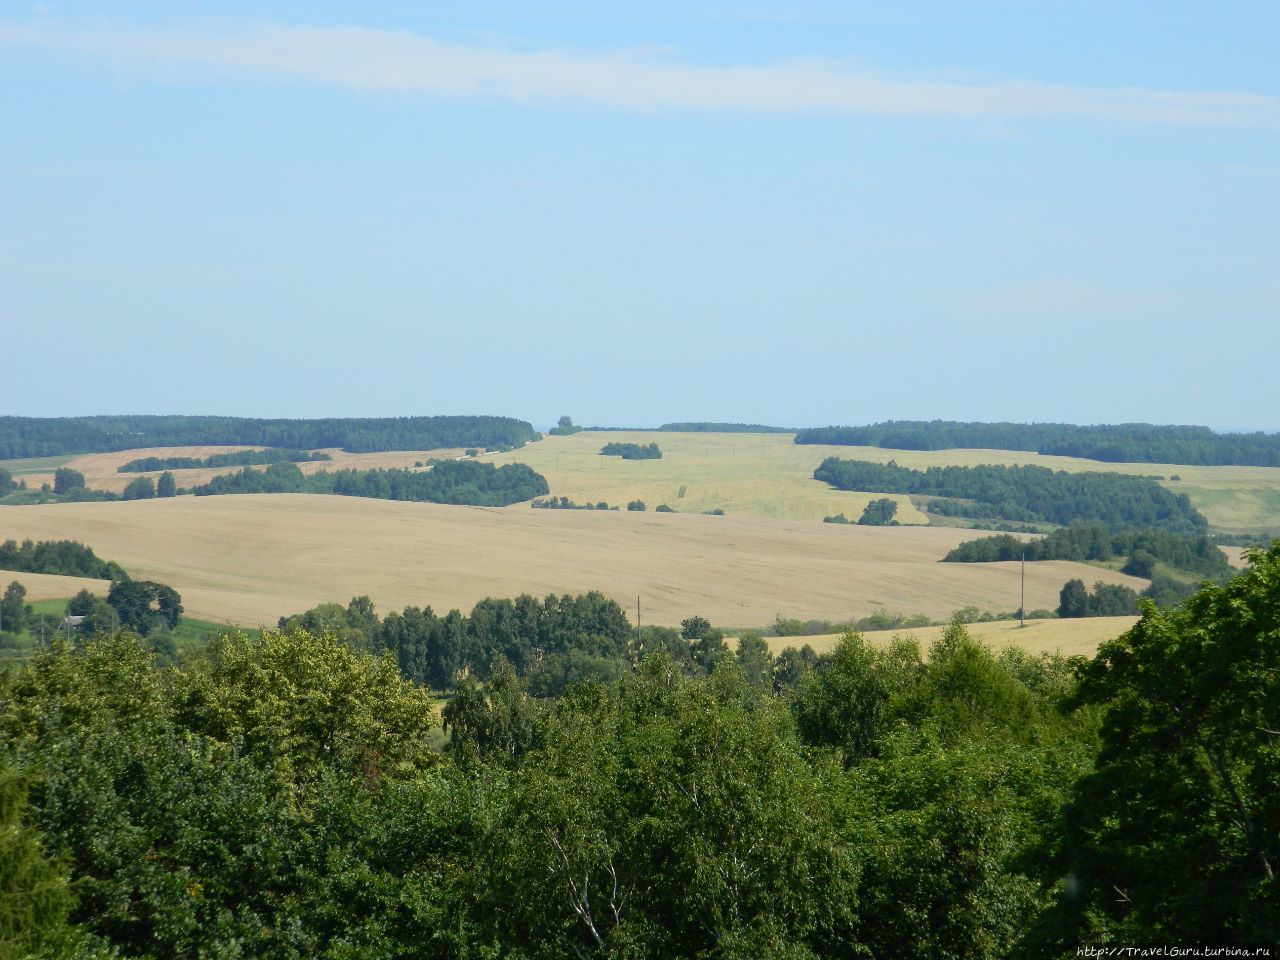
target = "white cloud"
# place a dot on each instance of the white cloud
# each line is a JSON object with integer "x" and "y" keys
{"x": 396, "y": 61}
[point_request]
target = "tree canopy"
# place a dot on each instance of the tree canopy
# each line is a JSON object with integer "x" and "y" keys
{"x": 1112, "y": 443}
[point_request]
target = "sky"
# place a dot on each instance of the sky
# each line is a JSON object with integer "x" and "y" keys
{"x": 796, "y": 213}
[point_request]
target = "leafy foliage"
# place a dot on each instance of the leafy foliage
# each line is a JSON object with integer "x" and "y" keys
{"x": 450, "y": 481}
{"x": 43, "y": 437}
{"x": 1175, "y": 836}
{"x": 1105, "y": 600}
{"x": 632, "y": 451}
{"x": 67, "y": 558}
{"x": 1095, "y": 542}
{"x": 238, "y": 458}
{"x": 879, "y": 513}
{"x": 1030, "y": 493}
{"x": 1114, "y": 443}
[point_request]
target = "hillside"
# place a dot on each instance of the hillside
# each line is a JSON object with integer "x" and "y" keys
{"x": 769, "y": 475}
{"x": 249, "y": 559}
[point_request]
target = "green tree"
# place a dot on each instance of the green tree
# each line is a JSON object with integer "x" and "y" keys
{"x": 755, "y": 661}
{"x": 13, "y": 608}
{"x": 664, "y": 817}
{"x": 879, "y": 513}
{"x": 1073, "y": 599}
{"x": 1175, "y": 836}
{"x": 140, "y": 488}
{"x": 34, "y": 896}
{"x": 65, "y": 480}
{"x": 166, "y": 486}
{"x": 142, "y": 605}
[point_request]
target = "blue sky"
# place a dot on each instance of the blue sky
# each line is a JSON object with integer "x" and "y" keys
{"x": 799, "y": 213}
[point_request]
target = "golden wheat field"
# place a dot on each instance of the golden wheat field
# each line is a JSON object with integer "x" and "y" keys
{"x": 48, "y": 586}
{"x": 101, "y": 470}
{"x": 769, "y": 475}
{"x": 1077, "y": 637}
{"x": 251, "y": 559}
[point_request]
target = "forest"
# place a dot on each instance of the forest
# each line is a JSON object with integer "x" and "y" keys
{"x": 1093, "y": 542}
{"x": 1112, "y": 443}
{"x": 240, "y": 458}
{"x": 450, "y": 481}
{"x": 55, "y": 436}
{"x": 1028, "y": 493}
{"x": 290, "y": 795}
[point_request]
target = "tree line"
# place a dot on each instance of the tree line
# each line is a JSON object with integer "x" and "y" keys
{"x": 1112, "y": 443}
{"x": 553, "y": 642}
{"x": 65, "y": 558}
{"x": 450, "y": 481}
{"x": 238, "y": 458}
{"x": 54, "y": 436}
{"x": 281, "y": 796}
{"x": 1028, "y": 493}
{"x": 1093, "y": 542}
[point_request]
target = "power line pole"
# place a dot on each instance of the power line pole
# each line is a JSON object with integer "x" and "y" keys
{"x": 637, "y": 618}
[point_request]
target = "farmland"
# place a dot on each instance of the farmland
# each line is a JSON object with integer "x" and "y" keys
{"x": 250, "y": 559}
{"x": 768, "y": 475}
{"x": 101, "y": 470}
{"x": 1077, "y": 637}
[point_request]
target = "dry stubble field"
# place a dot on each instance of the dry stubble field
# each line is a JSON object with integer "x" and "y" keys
{"x": 251, "y": 559}
{"x": 1069, "y": 637}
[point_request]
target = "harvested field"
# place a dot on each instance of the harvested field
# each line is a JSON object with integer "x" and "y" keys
{"x": 47, "y": 586}
{"x": 1076, "y": 637}
{"x": 251, "y": 559}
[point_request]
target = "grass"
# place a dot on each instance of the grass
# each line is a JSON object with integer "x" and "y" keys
{"x": 252, "y": 559}
{"x": 768, "y": 475}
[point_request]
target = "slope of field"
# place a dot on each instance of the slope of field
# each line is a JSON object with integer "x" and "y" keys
{"x": 1075, "y": 637}
{"x": 101, "y": 470}
{"x": 48, "y": 586}
{"x": 769, "y": 475}
{"x": 250, "y": 559}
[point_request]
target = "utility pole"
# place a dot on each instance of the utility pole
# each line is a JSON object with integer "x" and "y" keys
{"x": 637, "y": 618}
{"x": 1022, "y": 608}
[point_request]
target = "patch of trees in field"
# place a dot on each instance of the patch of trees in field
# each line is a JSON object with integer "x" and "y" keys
{"x": 238, "y": 458}
{"x": 1028, "y": 493}
{"x": 280, "y": 797}
{"x": 1085, "y": 543}
{"x": 631, "y": 451}
{"x": 42, "y": 437}
{"x": 564, "y": 503}
{"x": 1112, "y": 443}
{"x": 451, "y": 481}
{"x": 65, "y": 558}
{"x": 565, "y": 427}
{"x": 1105, "y": 600}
